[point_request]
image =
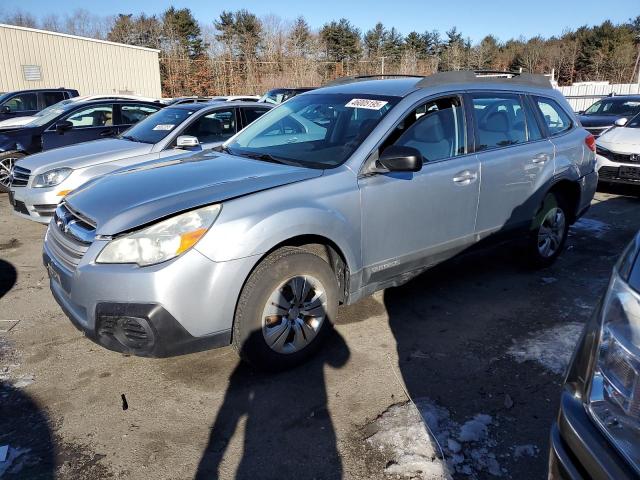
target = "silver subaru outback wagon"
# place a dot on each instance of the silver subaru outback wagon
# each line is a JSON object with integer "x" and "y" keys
{"x": 333, "y": 195}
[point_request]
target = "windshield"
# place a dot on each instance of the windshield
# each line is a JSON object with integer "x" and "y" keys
{"x": 313, "y": 130}
{"x": 157, "y": 126}
{"x": 615, "y": 106}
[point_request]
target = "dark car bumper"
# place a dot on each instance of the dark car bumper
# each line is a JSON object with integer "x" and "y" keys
{"x": 579, "y": 450}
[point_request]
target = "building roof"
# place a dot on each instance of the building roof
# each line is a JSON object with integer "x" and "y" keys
{"x": 86, "y": 39}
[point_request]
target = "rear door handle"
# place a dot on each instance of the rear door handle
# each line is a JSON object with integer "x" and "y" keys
{"x": 540, "y": 158}
{"x": 465, "y": 177}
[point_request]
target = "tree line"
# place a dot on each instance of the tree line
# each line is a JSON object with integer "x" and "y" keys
{"x": 239, "y": 52}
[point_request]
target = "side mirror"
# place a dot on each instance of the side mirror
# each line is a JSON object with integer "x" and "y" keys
{"x": 63, "y": 126}
{"x": 397, "y": 158}
{"x": 581, "y": 112}
{"x": 621, "y": 122}
{"x": 6, "y": 109}
{"x": 188, "y": 142}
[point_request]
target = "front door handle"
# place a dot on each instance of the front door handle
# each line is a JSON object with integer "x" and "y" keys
{"x": 108, "y": 133}
{"x": 465, "y": 177}
{"x": 540, "y": 158}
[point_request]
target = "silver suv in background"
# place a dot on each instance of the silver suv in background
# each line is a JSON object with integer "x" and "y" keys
{"x": 40, "y": 181}
{"x": 335, "y": 194}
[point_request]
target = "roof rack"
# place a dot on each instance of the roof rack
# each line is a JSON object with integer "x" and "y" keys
{"x": 489, "y": 76}
{"x": 359, "y": 78}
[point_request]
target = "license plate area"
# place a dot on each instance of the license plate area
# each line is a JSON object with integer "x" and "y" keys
{"x": 631, "y": 173}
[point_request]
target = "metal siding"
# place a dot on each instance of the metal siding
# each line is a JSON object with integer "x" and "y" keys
{"x": 89, "y": 66}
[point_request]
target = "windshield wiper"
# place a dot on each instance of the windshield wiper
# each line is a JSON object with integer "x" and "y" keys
{"x": 265, "y": 157}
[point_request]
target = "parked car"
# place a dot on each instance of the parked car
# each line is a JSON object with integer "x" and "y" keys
{"x": 23, "y": 120}
{"x": 181, "y": 100}
{"x": 597, "y": 433}
{"x": 40, "y": 181}
{"x": 618, "y": 153}
{"x": 66, "y": 124}
{"x": 29, "y": 102}
{"x": 279, "y": 95}
{"x": 604, "y": 113}
{"x": 335, "y": 194}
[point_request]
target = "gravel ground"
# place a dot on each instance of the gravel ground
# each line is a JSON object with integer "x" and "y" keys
{"x": 478, "y": 343}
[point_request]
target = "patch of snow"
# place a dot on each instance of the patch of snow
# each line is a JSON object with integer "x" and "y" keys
{"x": 591, "y": 226}
{"x": 413, "y": 453}
{"x": 552, "y": 348}
{"x": 23, "y": 381}
{"x": 525, "y": 451}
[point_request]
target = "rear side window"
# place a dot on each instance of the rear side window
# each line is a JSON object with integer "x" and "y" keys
{"x": 251, "y": 113}
{"x": 436, "y": 129}
{"x": 500, "y": 120}
{"x": 133, "y": 113}
{"x": 51, "y": 98}
{"x": 98, "y": 116}
{"x": 554, "y": 116}
{"x": 22, "y": 102}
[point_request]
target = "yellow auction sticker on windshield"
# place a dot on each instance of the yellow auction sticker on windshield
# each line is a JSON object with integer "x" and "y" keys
{"x": 366, "y": 104}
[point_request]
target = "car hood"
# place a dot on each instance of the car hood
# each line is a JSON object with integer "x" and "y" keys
{"x": 133, "y": 197}
{"x": 84, "y": 155}
{"x": 621, "y": 140}
{"x": 16, "y": 122}
{"x": 597, "y": 120}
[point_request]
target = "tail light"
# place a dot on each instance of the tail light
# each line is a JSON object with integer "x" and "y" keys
{"x": 590, "y": 141}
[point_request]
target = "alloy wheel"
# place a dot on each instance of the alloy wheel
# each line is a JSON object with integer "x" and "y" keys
{"x": 294, "y": 314}
{"x": 551, "y": 232}
{"x": 6, "y": 164}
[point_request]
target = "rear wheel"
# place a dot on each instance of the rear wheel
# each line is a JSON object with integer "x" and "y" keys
{"x": 549, "y": 232}
{"x": 285, "y": 310}
{"x": 7, "y": 161}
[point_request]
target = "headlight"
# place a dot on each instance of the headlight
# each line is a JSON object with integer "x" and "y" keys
{"x": 52, "y": 177}
{"x": 162, "y": 241}
{"x": 614, "y": 399}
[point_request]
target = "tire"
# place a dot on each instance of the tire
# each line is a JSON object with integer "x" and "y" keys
{"x": 549, "y": 231}
{"x": 7, "y": 159}
{"x": 263, "y": 334}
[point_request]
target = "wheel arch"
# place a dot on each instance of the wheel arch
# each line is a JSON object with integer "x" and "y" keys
{"x": 571, "y": 192}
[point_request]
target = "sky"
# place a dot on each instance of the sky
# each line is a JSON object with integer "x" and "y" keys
{"x": 475, "y": 19}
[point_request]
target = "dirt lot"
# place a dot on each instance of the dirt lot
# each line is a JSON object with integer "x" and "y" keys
{"x": 479, "y": 343}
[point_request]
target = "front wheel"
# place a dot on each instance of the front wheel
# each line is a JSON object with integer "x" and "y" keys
{"x": 7, "y": 161}
{"x": 549, "y": 231}
{"x": 285, "y": 309}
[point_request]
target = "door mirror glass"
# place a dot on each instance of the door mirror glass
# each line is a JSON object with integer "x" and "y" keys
{"x": 63, "y": 126}
{"x": 6, "y": 109}
{"x": 397, "y": 158}
{"x": 621, "y": 122}
{"x": 188, "y": 142}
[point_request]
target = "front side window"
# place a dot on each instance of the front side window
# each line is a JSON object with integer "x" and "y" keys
{"x": 51, "y": 98}
{"x": 555, "y": 117}
{"x": 313, "y": 130}
{"x": 500, "y": 120}
{"x": 436, "y": 129}
{"x": 22, "y": 102}
{"x": 96, "y": 116}
{"x": 213, "y": 127}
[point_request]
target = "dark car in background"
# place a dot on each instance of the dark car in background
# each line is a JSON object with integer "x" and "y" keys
{"x": 604, "y": 113}
{"x": 279, "y": 95}
{"x": 597, "y": 433}
{"x": 27, "y": 102}
{"x": 69, "y": 123}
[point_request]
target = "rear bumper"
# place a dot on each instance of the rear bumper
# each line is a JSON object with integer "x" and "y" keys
{"x": 579, "y": 450}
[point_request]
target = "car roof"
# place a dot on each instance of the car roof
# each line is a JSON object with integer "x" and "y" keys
{"x": 98, "y": 101}
{"x": 620, "y": 97}
{"x": 398, "y": 87}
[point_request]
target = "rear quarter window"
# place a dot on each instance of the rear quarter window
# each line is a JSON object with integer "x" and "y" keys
{"x": 553, "y": 115}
